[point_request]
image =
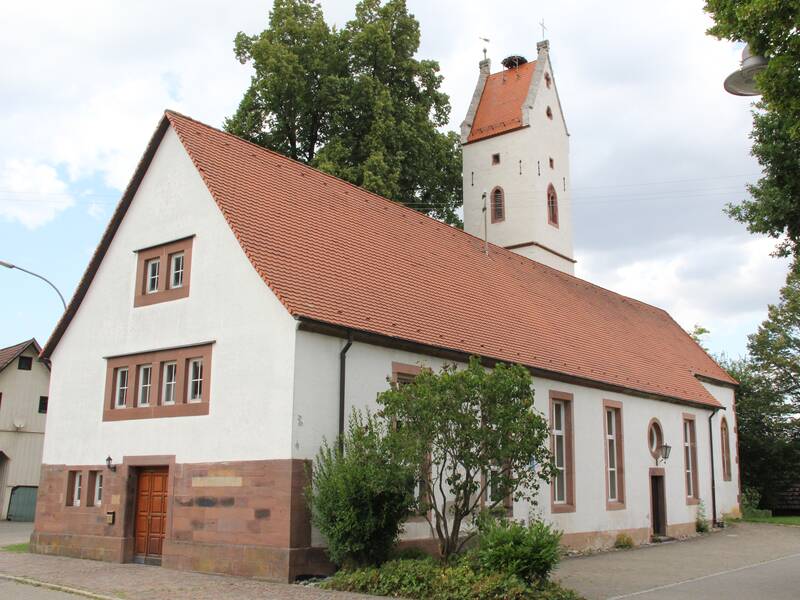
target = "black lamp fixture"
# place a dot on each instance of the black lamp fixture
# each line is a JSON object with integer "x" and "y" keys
{"x": 110, "y": 464}
{"x": 663, "y": 451}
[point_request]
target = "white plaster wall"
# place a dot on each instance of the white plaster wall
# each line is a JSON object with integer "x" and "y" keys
{"x": 727, "y": 491}
{"x": 20, "y": 404}
{"x": 253, "y": 354}
{"x": 524, "y": 184}
{"x": 316, "y": 398}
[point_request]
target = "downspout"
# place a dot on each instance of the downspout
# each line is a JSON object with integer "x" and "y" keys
{"x": 342, "y": 374}
{"x": 713, "y": 479}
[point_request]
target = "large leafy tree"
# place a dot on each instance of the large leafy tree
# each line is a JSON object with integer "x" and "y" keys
{"x": 475, "y": 439}
{"x": 356, "y": 103}
{"x": 772, "y": 29}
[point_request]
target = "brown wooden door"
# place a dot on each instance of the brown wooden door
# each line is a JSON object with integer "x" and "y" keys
{"x": 151, "y": 513}
{"x": 658, "y": 505}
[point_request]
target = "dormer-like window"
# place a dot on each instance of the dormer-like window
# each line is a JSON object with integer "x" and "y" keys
{"x": 163, "y": 272}
{"x": 548, "y": 80}
{"x": 549, "y": 113}
{"x": 498, "y": 205}
{"x": 552, "y": 206}
{"x": 495, "y": 159}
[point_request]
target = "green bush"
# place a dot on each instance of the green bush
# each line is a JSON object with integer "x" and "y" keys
{"x": 360, "y": 496}
{"x": 623, "y": 541}
{"x": 427, "y": 580}
{"x": 701, "y": 523}
{"x": 528, "y": 552}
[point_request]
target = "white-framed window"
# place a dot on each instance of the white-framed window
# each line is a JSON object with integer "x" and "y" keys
{"x": 145, "y": 384}
{"x": 559, "y": 453}
{"x": 170, "y": 378}
{"x": 76, "y": 489}
{"x": 98, "y": 489}
{"x": 195, "y": 387}
{"x": 611, "y": 447}
{"x": 153, "y": 266}
{"x": 176, "y": 270}
{"x": 689, "y": 456}
{"x": 121, "y": 388}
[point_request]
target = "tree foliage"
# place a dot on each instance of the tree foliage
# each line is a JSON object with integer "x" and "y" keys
{"x": 772, "y": 29}
{"x": 475, "y": 439}
{"x": 361, "y": 493}
{"x": 356, "y": 103}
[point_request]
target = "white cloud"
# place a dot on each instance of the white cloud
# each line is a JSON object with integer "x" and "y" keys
{"x": 31, "y": 193}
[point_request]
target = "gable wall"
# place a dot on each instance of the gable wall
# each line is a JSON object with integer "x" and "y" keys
{"x": 228, "y": 303}
{"x": 316, "y": 398}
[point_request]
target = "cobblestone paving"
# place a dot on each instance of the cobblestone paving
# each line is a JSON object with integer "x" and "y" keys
{"x": 140, "y": 582}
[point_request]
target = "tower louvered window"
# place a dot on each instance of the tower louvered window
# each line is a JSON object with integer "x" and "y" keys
{"x": 498, "y": 205}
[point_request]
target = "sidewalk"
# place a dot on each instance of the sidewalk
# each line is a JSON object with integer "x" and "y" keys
{"x": 140, "y": 582}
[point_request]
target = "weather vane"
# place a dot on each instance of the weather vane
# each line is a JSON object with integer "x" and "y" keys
{"x": 483, "y": 39}
{"x": 541, "y": 24}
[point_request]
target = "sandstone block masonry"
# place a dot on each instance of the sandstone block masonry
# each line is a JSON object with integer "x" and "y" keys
{"x": 245, "y": 518}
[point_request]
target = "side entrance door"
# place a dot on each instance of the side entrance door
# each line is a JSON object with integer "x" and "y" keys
{"x": 659, "y": 505}
{"x": 151, "y": 515}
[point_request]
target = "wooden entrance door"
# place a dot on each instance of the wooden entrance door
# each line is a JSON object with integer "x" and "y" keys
{"x": 151, "y": 514}
{"x": 658, "y": 503}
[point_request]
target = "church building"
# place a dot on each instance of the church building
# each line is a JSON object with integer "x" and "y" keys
{"x": 240, "y": 304}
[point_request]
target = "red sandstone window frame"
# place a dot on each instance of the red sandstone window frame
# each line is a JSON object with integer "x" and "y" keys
{"x": 164, "y": 254}
{"x": 689, "y": 445}
{"x": 72, "y": 499}
{"x": 617, "y": 503}
{"x": 567, "y": 427}
{"x": 156, "y": 408}
{"x": 497, "y": 205}
{"x": 552, "y": 206}
{"x": 655, "y": 426}
{"x": 403, "y": 374}
{"x": 725, "y": 441}
{"x": 507, "y": 503}
{"x": 94, "y": 488}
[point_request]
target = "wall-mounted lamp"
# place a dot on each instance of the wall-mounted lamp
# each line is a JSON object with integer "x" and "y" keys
{"x": 663, "y": 452}
{"x": 110, "y": 464}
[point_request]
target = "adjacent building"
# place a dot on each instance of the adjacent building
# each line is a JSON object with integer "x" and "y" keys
{"x": 240, "y": 304}
{"x": 24, "y": 383}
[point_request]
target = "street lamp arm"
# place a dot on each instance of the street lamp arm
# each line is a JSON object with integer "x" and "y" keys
{"x": 8, "y": 265}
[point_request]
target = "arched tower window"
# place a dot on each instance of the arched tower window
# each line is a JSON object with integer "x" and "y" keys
{"x": 552, "y": 206}
{"x": 498, "y": 205}
{"x": 724, "y": 438}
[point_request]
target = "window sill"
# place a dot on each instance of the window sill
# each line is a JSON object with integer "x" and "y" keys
{"x": 562, "y": 508}
{"x": 692, "y": 501}
{"x": 157, "y": 412}
{"x": 615, "y": 505}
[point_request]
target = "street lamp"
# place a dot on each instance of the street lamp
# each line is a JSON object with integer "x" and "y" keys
{"x": 664, "y": 451}
{"x": 8, "y": 265}
{"x": 742, "y": 82}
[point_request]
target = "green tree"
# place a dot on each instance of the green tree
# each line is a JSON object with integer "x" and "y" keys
{"x": 775, "y": 347}
{"x": 767, "y": 432}
{"x": 772, "y": 29}
{"x": 475, "y": 439}
{"x": 361, "y": 493}
{"x": 356, "y": 103}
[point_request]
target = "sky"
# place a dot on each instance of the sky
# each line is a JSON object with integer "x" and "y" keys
{"x": 657, "y": 147}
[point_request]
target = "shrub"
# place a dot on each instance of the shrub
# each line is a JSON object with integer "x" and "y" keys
{"x": 410, "y": 553}
{"x": 425, "y": 579}
{"x": 623, "y": 541}
{"x": 701, "y": 524}
{"x": 360, "y": 496}
{"x": 528, "y": 552}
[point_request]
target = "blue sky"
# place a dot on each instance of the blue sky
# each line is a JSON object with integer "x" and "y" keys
{"x": 657, "y": 147}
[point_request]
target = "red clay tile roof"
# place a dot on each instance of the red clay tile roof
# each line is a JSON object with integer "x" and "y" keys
{"x": 9, "y": 354}
{"x": 337, "y": 254}
{"x": 500, "y": 107}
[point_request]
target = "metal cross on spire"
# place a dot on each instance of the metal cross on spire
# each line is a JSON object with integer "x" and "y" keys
{"x": 541, "y": 24}
{"x": 485, "y": 40}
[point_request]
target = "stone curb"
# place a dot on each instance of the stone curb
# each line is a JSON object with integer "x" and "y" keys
{"x": 56, "y": 587}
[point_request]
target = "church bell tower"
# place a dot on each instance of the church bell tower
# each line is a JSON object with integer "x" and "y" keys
{"x": 516, "y": 162}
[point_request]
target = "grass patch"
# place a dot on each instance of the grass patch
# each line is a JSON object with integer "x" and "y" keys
{"x": 774, "y": 520}
{"x": 21, "y": 548}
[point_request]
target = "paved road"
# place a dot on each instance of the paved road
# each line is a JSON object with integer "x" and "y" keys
{"x": 745, "y": 561}
{"x": 20, "y": 591}
{"x": 12, "y": 532}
